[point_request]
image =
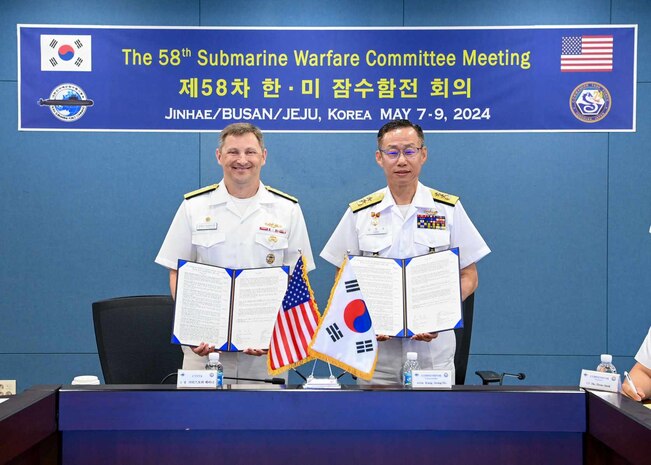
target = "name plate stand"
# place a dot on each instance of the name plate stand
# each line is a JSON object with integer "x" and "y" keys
{"x": 431, "y": 379}
{"x": 599, "y": 381}
{"x": 196, "y": 379}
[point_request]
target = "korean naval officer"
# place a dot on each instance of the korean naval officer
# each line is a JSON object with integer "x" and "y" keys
{"x": 403, "y": 220}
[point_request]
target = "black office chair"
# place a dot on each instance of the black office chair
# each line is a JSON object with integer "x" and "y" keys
{"x": 133, "y": 339}
{"x": 463, "y": 340}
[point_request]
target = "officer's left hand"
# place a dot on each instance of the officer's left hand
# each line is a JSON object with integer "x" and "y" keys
{"x": 256, "y": 352}
{"x": 425, "y": 337}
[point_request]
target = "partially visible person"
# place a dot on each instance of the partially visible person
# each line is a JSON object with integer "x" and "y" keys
{"x": 237, "y": 223}
{"x": 640, "y": 373}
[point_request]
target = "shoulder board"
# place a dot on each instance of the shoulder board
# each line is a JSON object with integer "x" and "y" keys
{"x": 281, "y": 194}
{"x": 203, "y": 190}
{"x": 365, "y": 202}
{"x": 442, "y": 197}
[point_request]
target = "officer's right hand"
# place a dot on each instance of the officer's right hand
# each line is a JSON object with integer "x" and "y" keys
{"x": 203, "y": 349}
{"x": 629, "y": 392}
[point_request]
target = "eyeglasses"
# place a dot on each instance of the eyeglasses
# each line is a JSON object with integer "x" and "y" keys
{"x": 394, "y": 154}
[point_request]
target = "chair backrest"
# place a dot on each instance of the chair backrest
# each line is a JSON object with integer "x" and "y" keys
{"x": 133, "y": 339}
{"x": 463, "y": 340}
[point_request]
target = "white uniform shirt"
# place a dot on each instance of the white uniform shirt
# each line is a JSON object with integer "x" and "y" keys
{"x": 397, "y": 237}
{"x": 209, "y": 228}
{"x": 381, "y": 229}
{"x": 644, "y": 354}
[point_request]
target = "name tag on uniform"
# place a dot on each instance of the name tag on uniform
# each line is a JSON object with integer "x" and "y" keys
{"x": 207, "y": 226}
{"x": 376, "y": 230}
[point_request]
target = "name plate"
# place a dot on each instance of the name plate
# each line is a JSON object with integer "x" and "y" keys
{"x": 431, "y": 379}
{"x": 196, "y": 379}
{"x": 610, "y": 382}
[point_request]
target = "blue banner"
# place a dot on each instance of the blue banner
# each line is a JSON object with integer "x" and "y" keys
{"x": 496, "y": 79}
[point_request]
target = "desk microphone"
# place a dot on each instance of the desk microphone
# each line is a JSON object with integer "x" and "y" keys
{"x": 266, "y": 380}
{"x": 519, "y": 376}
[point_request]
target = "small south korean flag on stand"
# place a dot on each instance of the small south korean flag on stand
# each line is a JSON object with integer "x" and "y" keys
{"x": 345, "y": 336}
{"x": 66, "y": 53}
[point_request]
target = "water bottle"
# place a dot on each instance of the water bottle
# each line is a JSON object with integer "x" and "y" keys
{"x": 606, "y": 365}
{"x": 410, "y": 365}
{"x": 215, "y": 365}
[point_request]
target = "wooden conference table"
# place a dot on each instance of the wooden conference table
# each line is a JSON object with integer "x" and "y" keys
{"x": 158, "y": 424}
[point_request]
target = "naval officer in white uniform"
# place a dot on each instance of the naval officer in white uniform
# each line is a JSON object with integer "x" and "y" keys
{"x": 237, "y": 223}
{"x": 403, "y": 220}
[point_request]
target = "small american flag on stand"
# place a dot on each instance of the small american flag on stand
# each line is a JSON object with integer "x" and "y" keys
{"x": 297, "y": 320}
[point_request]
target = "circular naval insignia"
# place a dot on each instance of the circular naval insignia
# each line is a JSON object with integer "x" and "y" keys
{"x": 68, "y": 113}
{"x": 590, "y": 102}
{"x": 271, "y": 258}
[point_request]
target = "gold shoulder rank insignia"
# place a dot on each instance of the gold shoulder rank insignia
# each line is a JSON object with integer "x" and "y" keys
{"x": 203, "y": 190}
{"x": 369, "y": 200}
{"x": 442, "y": 197}
{"x": 281, "y": 194}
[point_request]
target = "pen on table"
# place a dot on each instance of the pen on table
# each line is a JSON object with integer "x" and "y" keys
{"x": 630, "y": 382}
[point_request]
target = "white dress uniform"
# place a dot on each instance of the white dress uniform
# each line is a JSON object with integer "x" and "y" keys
{"x": 435, "y": 221}
{"x": 209, "y": 228}
{"x": 644, "y": 354}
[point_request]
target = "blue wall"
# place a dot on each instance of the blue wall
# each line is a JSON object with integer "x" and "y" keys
{"x": 566, "y": 215}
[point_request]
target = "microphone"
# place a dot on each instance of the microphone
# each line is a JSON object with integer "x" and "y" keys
{"x": 266, "y": 380}
{"x": 519, "y": 376}
{"x": 168, "y": 376}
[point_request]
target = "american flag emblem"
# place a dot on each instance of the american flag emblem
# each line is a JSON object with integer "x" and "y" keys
{"x": 297, "y": 321}
{"x": 580, "y": 54}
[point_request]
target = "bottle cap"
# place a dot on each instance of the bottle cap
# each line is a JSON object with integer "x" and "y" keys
{"x": 213, "y": 356}
{"x": 412, "y": 355}
{"x": 85, "y": 379}
{"x": 606, "y": 358}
